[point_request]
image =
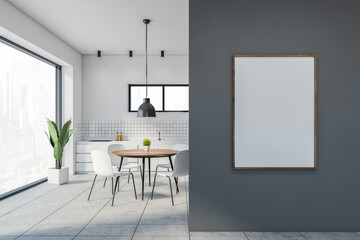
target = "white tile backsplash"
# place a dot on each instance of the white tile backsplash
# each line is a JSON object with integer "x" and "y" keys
{"x": 132, "y": 129}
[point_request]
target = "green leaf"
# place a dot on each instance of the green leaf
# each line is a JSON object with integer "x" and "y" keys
{"x": 50, "y": 140}
{"x": 71, "y": 131}
{"x": 64, "y": 134}
{"x": 53, "y": 130}
{"x": 58, "y": 153}
{"x": 55, "y": 126}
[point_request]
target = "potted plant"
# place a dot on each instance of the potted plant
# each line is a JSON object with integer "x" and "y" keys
{"x": 58, "y": 140}
{"x": 146, "y": 143}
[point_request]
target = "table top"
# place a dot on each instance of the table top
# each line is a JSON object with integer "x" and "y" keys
{"x": 141, "y": 153}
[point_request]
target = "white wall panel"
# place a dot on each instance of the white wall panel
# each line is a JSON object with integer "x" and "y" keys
{"x": 106, "y": 79}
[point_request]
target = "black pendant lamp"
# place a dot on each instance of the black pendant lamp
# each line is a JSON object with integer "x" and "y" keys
{"x": 146, "y": 109}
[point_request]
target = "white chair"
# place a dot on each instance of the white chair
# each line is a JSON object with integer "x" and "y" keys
{"x": 115, "y": 160}
{"x": 179, "y": 147}
{"x": 181, "y": 169}
{"x": 103, "y": 167}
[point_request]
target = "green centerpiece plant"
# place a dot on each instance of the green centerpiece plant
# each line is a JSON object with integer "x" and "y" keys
{"x": 147, "y": 143}
{"x": 58, "y": 140}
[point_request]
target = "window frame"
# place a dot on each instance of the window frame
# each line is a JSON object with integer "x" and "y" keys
{"x": 163, "y": 95}
{"x": 58, "y": 103}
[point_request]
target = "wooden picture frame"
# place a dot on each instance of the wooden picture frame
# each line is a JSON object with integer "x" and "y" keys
{"x": 262, "y": 59}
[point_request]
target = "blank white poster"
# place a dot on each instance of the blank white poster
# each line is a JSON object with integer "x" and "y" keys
{"x": 274, "y": 112}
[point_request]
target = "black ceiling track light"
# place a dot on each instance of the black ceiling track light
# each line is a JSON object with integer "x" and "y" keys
{"x": 146, "y": 109}
{"x": 99, "y": 54}
{"x": 162, "y": 53}
{"x": 130, "y": 53}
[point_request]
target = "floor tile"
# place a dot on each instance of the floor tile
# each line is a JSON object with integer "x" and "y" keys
{"x": 61, "y": 218}
{"x": 103, "y": 238}
{"x": 46, "y": 237}
{"x": 165, "y": 208}
{"x": 331, "y": 235}
{"x": 120, "y": 219}
{"x": 274, "y": 236}
{"x": 13, "y": 229}
{"x": 124, "y": 208}
{"x": 218, "y": 236}
{"x": 167, "y": 219}
{"x": 160, "y": 238}
{"x": 55, "y": 229}
{"x": 7, "y": 237}
{"x": 108, "y": 230}
{"x": 18, "y": 219}
{"x": 29, "y": 195}
{"x": 162, "y": 230}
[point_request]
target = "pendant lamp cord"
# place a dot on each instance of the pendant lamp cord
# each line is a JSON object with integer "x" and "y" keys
{"x": 146, "y": 36}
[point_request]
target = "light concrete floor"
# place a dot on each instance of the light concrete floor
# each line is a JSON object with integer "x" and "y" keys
{"x": 63, "y": 212}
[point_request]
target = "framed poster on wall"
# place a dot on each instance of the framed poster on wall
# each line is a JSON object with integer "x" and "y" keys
{"x": 274, "y": 111}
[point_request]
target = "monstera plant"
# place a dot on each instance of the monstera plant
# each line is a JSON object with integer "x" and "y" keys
{"x": 58, "y": 140}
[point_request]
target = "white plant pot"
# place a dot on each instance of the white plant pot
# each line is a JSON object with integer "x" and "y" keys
{"x": 58, "y": 176}
{"x": 147, "y": 148}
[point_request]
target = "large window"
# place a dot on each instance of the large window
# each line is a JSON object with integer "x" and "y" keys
{"x": 28, "y": 93}
{"x": 164, "y": 98}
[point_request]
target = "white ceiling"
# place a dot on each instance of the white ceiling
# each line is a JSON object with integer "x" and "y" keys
{"x": 114, "y": 26}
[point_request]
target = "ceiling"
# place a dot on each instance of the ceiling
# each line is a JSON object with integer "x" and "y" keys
{"x": 114, "y": 26}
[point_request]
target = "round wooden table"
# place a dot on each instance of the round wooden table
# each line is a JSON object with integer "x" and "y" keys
{"x": 153, "y": 153}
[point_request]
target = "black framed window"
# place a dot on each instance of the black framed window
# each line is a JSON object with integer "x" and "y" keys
{"x": 30, "y": 91}
{"x": 164, "y": 97}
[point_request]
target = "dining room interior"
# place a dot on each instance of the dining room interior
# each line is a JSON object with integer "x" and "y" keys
{"x": 179, "y": 119}
{"x": 115, "y": 113}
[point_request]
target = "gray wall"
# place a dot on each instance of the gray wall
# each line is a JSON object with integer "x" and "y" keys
{"x": 222, "y": 199}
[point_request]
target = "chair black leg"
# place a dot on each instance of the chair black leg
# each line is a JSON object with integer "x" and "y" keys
{"x": 152, "y": 193}
{"x": 112, "y": 185}
{"x": 172, "y": 168}
{"x": 129, "y": 176}
{"x": 141, "y": 172}
{"x": 132, "y": 175}
{"x": 172, "y": 198}
{"x": 143, "y": 179}
{"x": 116, "y": 183}
{"x": 177, "y": 189}
{"x": 105, "y": 182}
{"x": 149, "y": 172}
{"x": 92, "y": 186}
{"x": 119, "y": 185}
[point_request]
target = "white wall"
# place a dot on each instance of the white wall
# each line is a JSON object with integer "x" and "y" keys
{"x": 21, "y": 29}
{"x": 106, "y": 79}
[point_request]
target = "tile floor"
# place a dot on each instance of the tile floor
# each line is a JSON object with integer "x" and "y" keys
{"x": 63, "y": 212}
